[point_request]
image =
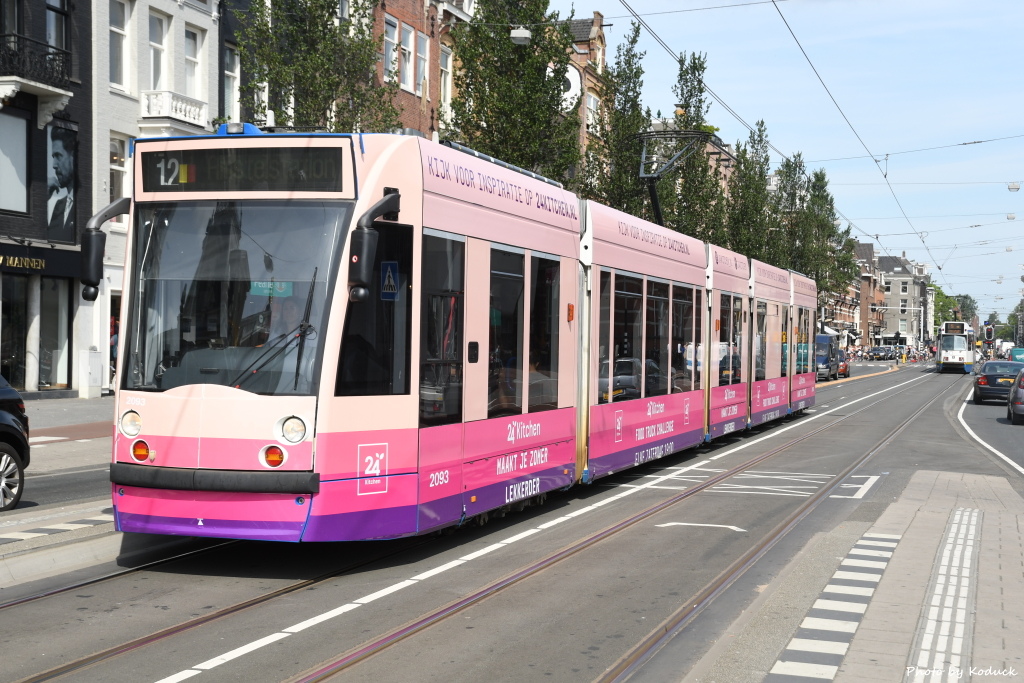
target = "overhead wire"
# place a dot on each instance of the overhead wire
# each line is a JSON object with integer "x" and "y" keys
{"x": 637, "y": 17}
{"x": 855, "y": 133}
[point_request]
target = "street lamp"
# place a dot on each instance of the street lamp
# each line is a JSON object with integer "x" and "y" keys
{"x": 1013, "y": 187}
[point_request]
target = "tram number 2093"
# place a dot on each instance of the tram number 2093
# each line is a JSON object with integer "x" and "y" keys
{"x": 438, "y": 478}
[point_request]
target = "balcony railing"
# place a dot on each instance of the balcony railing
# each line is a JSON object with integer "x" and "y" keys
{"x": 164, "y": 103}
{"x": 34, "y": 61}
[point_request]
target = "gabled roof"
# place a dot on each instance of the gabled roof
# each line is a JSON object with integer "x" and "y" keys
{"x": 580, "y": 29}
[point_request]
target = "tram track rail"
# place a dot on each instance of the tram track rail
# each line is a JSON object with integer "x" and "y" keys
{"x": 171, "y": 631}
{"x": 669, "y": 628}
{"x": 380, "y": 644}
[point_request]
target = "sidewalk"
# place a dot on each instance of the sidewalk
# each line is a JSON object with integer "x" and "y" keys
{"x": 931, "y": 591}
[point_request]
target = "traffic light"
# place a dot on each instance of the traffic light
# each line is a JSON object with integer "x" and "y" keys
{"x": 990, "y": 333}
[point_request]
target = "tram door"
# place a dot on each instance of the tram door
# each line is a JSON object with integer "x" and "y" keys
{"x": 442, "y": 378}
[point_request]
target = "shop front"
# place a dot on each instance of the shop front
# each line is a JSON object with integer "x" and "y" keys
{"x": 36, "y": 316}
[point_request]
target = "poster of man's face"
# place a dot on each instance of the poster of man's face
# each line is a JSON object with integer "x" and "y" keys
{"x": 61, "y": 144}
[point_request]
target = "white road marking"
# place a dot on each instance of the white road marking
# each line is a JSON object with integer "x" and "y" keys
{"x": 869, "y": 553}
{"x": 861, "y": 488}
{"x": 720, "y": 526}
{"x": 960, "y": 416}
{"x": 626, "y": 491}
{"x": 806, "y": 670}
{"x": 836, "y": 625}
{"x": 849, "y": 590}
{"x": 857, "y": 576}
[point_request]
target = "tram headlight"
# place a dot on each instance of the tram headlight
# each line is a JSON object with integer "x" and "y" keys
{"x": 131, "y": 423}
{"x": 293, "y": 430}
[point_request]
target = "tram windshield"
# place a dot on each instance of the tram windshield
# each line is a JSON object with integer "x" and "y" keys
{"x": 953, "y": 343}
{"x": 231, "y": 293}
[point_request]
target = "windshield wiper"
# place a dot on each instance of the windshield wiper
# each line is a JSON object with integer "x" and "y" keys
{"x": 272, "y": 345}
{"x": 304, "y": 329}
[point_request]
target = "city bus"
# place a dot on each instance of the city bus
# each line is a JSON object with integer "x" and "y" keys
{"x": 336, "y": 337}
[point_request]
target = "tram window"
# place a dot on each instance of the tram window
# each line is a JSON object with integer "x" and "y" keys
{"x": 656, "y": 366}
{"x": 603, "y": 335}
{"x": 441, "y": 331}
{"x": 803, "y": 338}
{"x": 627, "y": 337}
{"x": 504, "y": 378}
{"x": 683, "y": 349}
{"x": 761, "y": 341}
{"x": 698, "y": 338}
{"x": 544, "y": 319}
{"x": 785, "y": 342}
{"x": 728, "y": 367}
{"x": 376, "y": 344}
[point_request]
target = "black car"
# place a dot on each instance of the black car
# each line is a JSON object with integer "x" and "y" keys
{"x": 1015, "y": 400}
{"x": 992, "y": 381}
{"x": 14, "y": 452}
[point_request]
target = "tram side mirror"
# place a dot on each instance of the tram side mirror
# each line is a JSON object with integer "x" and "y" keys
{"x": 94, "y": 241}
{"x": 363, "y": 252}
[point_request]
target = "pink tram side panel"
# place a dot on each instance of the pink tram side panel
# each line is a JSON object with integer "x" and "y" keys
{"x": 730, "y": 273}
{"x": 805, "y": 294}
{"x": 769, "y": 398}
{"x": 634, "y": 432}
{"x": 627, "y": 243}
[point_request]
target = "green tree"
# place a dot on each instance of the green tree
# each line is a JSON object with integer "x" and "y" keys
{"x": 509, "y": 97}
{"x": 968, "y": 306}
{"x": 695, "y": 204}
{"x": 319, "y": 70}
{"x": 610, "y": 169}
{"x": 945, "y": 306}
{"x": 754, "y": 227}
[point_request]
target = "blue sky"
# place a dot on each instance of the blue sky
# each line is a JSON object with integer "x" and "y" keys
{"x": 908, "y": 75}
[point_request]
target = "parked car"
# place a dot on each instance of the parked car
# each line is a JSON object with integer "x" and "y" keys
{"x": 1015, "y": 400}
{"x": 14, "y": 451}
{"x": 844, "y": 364}
{"x": 826, "y": 358}
{"x": 993, "y": 379}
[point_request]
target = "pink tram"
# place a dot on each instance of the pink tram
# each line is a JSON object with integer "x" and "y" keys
{"x": 345, "y": 337}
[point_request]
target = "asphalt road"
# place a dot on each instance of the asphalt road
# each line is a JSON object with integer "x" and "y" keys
{"x": 577, "y": 617}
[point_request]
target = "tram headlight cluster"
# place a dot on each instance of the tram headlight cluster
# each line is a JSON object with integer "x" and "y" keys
{"x": 131, "y": 423}
{"x": 293, "y": 429}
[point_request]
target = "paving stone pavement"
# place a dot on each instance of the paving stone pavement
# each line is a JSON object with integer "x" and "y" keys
{"x": 888, "y": 643}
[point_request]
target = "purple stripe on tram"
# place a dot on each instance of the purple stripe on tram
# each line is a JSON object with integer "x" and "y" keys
{"x": 631, "y": 457}
{"x": 214, "y": 528}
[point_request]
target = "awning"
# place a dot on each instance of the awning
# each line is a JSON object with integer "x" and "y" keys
{"x": 829, "y": 330}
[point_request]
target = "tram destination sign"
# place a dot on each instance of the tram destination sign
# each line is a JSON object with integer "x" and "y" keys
{"x": 243, "y": 169}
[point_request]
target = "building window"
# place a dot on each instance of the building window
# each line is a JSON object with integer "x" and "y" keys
{"x": 193, "y": 72}
{"x": 888, "y": 288}
{"x": 13, "y": 163}
{"x": 405, "y": 65}
{"x": 422, "y": 53}
{"x": 118, "y": 41}
{"x": 57, "y": 24}
{"x": 903, "y": 326}
{"x": 118, "y": 172}
{"x": 343, "y": 9}
{"x": 390, "y": 47}
{"x": 903, "y": 287}
{"x": 593, "y": 111}
{"x": 157, "y": 31}
{"x": 903, "y": 306}
{"x": 231, "y": 82}
{"x": 10, "y": 17}
{"x": 446, "y": 83}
